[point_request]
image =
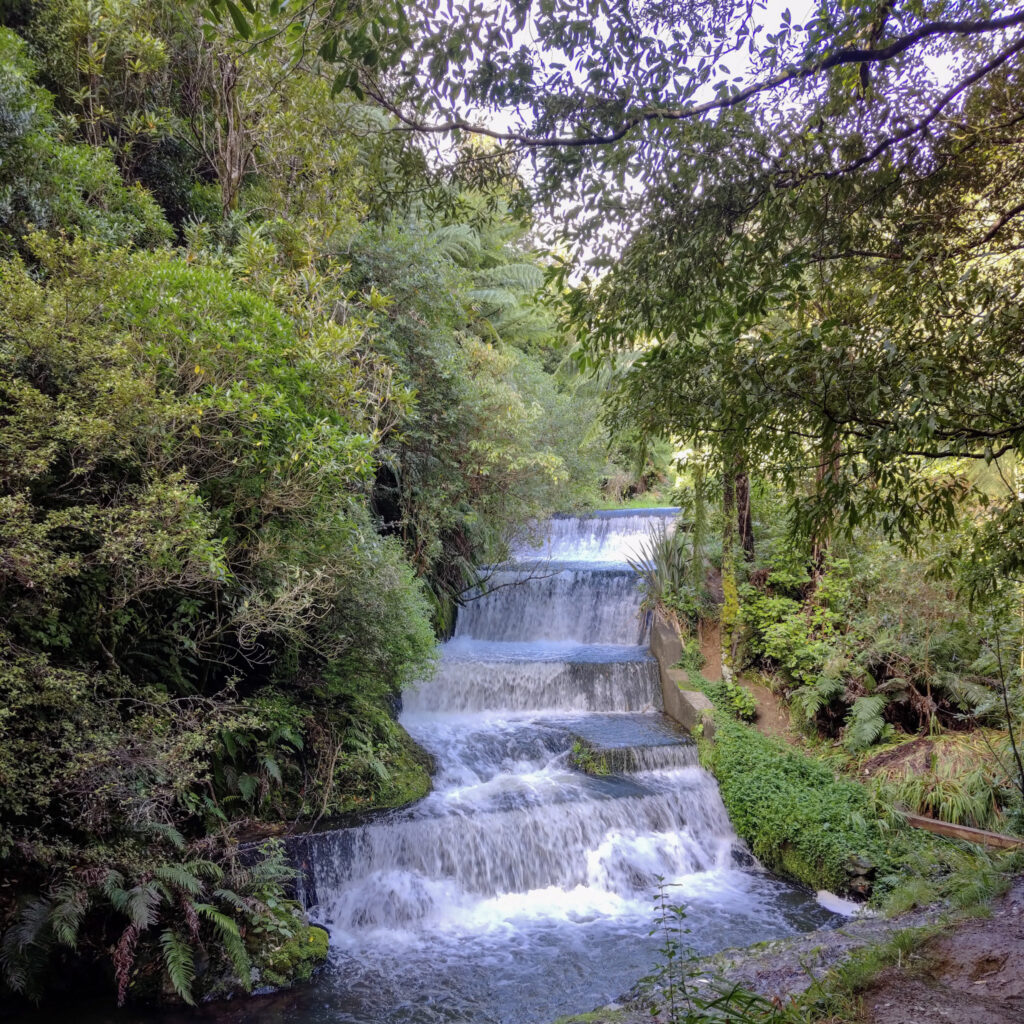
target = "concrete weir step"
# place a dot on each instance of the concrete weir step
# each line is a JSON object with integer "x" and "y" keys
{"x": 687, "y": 706}
{"x": 625, "y": 744}
{"x": 629, "y": 760}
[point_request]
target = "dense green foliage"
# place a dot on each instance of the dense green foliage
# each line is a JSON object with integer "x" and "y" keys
{"x": 795, "y": 815}
{"x": 262, "y": 412}
{"x": 275, "y": 379}
{"x": 808, "y": 822}
{"x": 878, "y": 646}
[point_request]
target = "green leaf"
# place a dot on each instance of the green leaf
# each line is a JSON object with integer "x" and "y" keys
{"x": 242, "y": 26}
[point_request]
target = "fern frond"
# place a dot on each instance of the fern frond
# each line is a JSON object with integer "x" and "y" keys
{"x": 165, "y": 831}
{"x": 817, "y": 695}
{"x": 112, "y": 884}
{"x": 30, "y": 925}
{"x": 230, "y": 897}
{"x": 179, "y": 963}
{"x": 865, "y": 722}
{"x": 69, "y": 907}
{"x": 231, "y": 939}
{"x": 457, "y": 242}
{"x": 521, "y": 277}
{"x": 206, "y": 869}
{"x": 141, "y": 904}
{"x": 179, "y": 876}
{"x": 272, "y": 768}
{"x": 23, "y": 949}
{"x": 493, "y": 299}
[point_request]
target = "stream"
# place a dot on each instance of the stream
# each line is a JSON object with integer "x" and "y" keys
{"x": 522, "y": 889}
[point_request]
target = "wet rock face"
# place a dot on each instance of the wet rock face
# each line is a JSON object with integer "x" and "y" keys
{"x": 861, "y": 876}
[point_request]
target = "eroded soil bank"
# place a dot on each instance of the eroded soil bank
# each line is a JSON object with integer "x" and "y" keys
{"x": 974, "y": 972}
{"x": 970, "y": 971}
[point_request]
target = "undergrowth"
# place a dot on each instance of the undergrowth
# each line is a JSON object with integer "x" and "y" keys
{"x": 806, "y": 822}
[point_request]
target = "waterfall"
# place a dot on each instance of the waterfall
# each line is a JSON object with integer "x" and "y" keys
{"x": 609, "y": 537}
{"x": 555, "y": 603}
{"x": 521, "y": 887}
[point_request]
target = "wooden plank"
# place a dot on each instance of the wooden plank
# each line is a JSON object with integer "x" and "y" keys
{"x": 971, "y": 835}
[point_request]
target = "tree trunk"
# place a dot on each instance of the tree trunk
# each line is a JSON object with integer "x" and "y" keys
{"x": 744, "y": 519}
{"x": 730, "y": 592}
{"x": 828, "y": 466}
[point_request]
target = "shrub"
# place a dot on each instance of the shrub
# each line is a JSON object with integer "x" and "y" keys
{"x": 796, "y": 816}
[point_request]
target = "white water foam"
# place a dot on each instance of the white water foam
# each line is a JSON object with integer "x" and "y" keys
{"x": 520, "y": 888}
{"x": 602, "y": 538}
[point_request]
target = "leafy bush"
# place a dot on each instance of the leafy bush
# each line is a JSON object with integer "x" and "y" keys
{"x": 876, "y": 647}
{"x": 796, "y": 816}
{"x": 240, "y": 481}
{"x": 48, "y": 183}
{"x": 189, "y": 638}
{"x": 740, "y": 701}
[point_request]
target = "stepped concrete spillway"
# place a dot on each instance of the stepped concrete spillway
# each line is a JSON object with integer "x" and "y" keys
{"x": 521, "y": 888}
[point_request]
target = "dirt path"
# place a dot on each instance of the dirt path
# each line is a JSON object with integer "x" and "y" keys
{"x": 711, "y": 648}
{"x": 973, "y": 975}
{"x": 772, "y": 713}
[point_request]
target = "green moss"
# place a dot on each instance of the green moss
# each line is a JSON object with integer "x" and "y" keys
{"x": 595, "y": 1017}
{"x": 586, "y": 759}
{"x": 297, "y": 959}
{"x": 409, "y": 766}
{"x": 282, "y": 958}
{"x": 397, "y": 773}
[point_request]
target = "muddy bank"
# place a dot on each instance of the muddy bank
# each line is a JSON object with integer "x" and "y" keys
{"x": 783, "y": 968}
{"x": 971, "y": 973}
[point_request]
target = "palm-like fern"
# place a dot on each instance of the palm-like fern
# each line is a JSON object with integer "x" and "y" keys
{"x": 175, "y": 907}
{"x": 671, "y": 572}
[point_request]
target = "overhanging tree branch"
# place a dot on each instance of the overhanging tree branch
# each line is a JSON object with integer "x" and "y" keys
{"x": 842, "y": 57}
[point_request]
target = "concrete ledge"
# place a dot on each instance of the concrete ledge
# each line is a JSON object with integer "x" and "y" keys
{"x": 690, "y": 708}
{"x": 665, "y": 643}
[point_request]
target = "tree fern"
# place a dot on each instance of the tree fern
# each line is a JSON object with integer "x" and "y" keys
{"x": 525, "y": 278}
{"x": 457, "y": 242}
{"x": 491, "y": 299}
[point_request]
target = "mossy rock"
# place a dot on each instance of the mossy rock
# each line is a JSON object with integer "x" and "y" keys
{"x": 294, "y": 960}
{"x": 587, "y": 758}
{"x": 408, "y": 768}
{"x": 283, "y": 950}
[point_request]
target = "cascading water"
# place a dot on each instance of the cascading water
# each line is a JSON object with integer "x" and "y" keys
{"x": 520, "y": 888}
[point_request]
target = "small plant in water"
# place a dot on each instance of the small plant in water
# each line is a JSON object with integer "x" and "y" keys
{"x": 584, "y": 758}
{"x": 677, "y": 991}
